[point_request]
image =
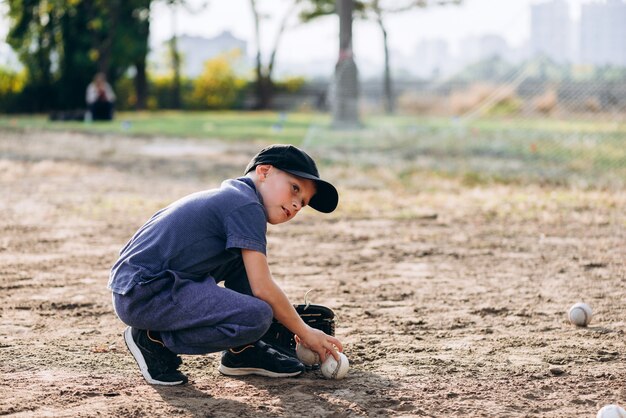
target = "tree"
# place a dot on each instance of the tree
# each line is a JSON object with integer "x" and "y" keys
{"x": 377, "y": 10}
{"x": 218, "y": 87}
{"x": 175, "y": 57}
{"x": 264, "y": 84}
{"x": 32, "y": 36}
{"x": 86, "y": 47}
{"x": 63, "y": 43}
{"x": 389, "y": 98}
{"x": 130, "y": 46}
{"x": 346, "y": 88}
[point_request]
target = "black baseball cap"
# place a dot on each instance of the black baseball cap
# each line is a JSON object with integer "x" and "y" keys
{"x": 297, "y": 162}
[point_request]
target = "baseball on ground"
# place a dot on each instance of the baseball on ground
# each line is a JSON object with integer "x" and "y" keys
{"x": 580, "y": 314}
{"x": 333, "y": 369}
{"x": 307, "y": 356}
{"x": 611, "y": 411}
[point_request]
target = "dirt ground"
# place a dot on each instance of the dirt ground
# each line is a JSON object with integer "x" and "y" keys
{"x": 451, "y": 300}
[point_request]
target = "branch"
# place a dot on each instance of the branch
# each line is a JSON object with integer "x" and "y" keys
{"x": 255, "y": 15}
{"x": 327, "y": 8}
{"x": 281, "y": 30}
{"x": 422, "y": 4}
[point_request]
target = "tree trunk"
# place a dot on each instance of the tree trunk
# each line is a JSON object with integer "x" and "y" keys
{"x": 265, "y": 93}
{"x": 261, "y": 88}
{"x": 141, "y": 84}
{"x": 175, "y": 53}
{"x": 388, "y": 91}
{"x": 346, "y": 84}
{"x": 45, "y": 96}
{"x": 176, "y": 99}
{"x": 141, "y": 78}
{"x": 75, "y": 72}
{"x": 106, "y": 44}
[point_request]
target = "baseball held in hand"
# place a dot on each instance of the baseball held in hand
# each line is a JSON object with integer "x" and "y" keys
{"x": 333, "y": 369}
{"x": 307, "y": 356}
{"x": 580, "y": 314}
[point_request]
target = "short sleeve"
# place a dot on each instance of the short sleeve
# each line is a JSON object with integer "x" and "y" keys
{"x": 246, "y": 228}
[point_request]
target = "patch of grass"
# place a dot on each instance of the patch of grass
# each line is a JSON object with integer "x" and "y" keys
{"x": 505, "y": 151}
{"x": 232, "y": 126}
{"x": 500, "y": 150}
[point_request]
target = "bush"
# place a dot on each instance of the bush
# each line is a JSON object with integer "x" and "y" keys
{"x": 471, "y": 98}
{"x": 505, "y": 102}
{"x": 11, "y": 86}
{"x": 162, "y": 92}
{"x": 125, "y": 93}
{"x": 290, "y": 84}
{"x": 547, "y": 102}
{"x": 218, "y": 87}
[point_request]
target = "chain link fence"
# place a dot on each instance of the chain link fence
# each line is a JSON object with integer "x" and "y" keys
{"x": 520, "y": 129}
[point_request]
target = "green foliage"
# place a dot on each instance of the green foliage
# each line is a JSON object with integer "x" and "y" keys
{"x": 610, "y": 73}
{"x": 508, "y": 105}
{"x": 319, "y": 8}
{"x": 492, "y": 69}
{"x": 34, "y": 36}
{"x": 125, "y": 92}
{"x": 290, "y": 84}
{"x": 218, "y": 87}
{"x": 63, "y": 43}
{"x": 368, "y": 9}
{"x": 538, "y": 69}
{"x": 11, "y": 86}
{"x": 11, "y": 82}
{"x": 161, "y": 94}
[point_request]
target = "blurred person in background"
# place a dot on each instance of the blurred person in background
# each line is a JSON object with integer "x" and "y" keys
{"x": 100, "y": 99}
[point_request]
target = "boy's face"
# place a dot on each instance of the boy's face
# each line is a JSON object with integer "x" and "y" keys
{"x": 283, "y": 194}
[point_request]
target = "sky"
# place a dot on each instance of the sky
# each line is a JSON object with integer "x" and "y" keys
{"x": 305, "y": 42}
{"x": 319, "y": 40}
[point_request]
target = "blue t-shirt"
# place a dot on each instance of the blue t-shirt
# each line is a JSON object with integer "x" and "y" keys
{"x": 193, "y": 236}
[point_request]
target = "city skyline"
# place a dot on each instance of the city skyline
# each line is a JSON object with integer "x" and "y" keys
{"x": 449, "y": 35}
{"x": 472, "y": 18}
{"x": 455, "y": 24}
{"x": 555, "y": 28}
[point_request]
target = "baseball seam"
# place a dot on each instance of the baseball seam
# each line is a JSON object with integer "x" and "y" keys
{"x": 336, "y": 371}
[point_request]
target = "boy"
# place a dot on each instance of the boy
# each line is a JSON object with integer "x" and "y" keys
{"x": 165, "y": 282}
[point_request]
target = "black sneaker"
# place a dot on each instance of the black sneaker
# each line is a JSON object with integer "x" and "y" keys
{"x": 259, "y": 358}
{"x": 158, "y": 365}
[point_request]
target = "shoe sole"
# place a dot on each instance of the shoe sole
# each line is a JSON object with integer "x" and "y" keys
{"x": 141, "y": 362}
{"x": 244, "y": 371}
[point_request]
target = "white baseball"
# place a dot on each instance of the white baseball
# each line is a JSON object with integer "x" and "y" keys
{"x": 580, "y": 314}
{"x": 333, "y": 369}
{"x": 611, "y": 411}
{"x": 306, "y": 355}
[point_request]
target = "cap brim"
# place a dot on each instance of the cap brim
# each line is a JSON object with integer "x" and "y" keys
{"x": 326, "y": 197}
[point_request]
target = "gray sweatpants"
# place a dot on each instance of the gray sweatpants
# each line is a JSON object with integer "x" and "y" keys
{"x": 197, "y": 317}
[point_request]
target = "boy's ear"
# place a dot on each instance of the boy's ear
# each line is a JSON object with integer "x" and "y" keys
{"x": 262, "y": 170}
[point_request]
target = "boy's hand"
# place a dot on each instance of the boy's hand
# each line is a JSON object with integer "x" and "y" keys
{"x": 264, "y": 288}
{"x": 321, "y": 343}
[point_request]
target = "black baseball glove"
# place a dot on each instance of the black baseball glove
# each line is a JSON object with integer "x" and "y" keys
{"x": 315, "y": 316}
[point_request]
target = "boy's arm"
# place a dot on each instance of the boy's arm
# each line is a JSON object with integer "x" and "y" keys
{"x": 265, "y": 288}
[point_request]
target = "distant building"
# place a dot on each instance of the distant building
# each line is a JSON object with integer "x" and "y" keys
{"x": 432, "y": 58}
{"x": 474, "y": 49}
{"x": 552, "y": 31}
{"x": 603, "y": 33}
{"x": 196, "y": 50}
